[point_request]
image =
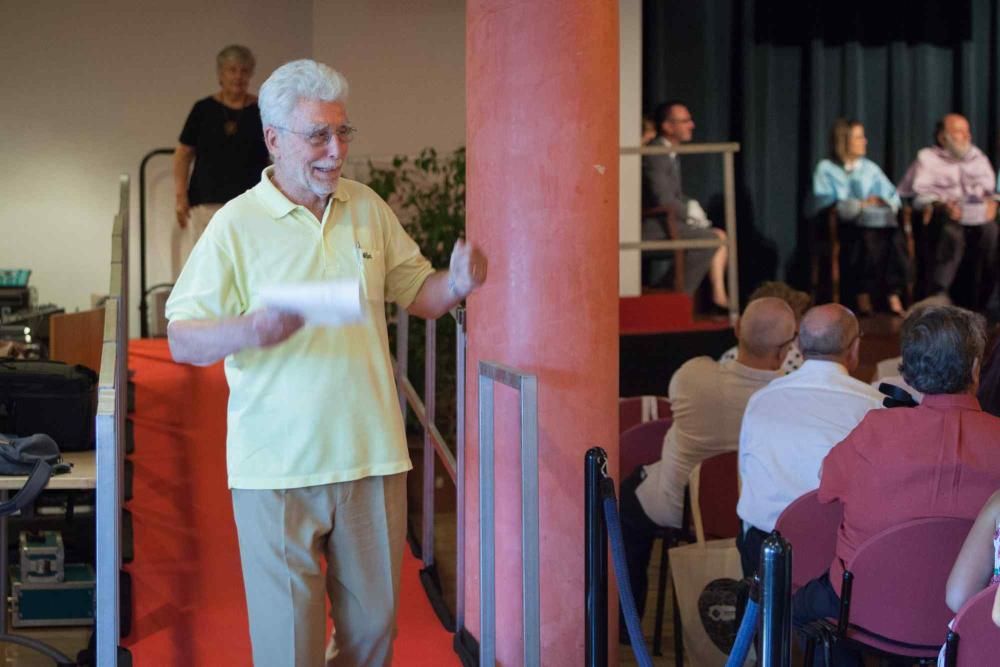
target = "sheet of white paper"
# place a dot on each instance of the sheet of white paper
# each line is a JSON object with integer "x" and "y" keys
{"x": 332, "y": 304}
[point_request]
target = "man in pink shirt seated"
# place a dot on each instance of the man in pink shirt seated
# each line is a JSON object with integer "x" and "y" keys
{"x": 953, "y": 183}
{"x": 939, "y": 459}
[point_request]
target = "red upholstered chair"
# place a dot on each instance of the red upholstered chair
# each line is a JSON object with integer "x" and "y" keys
{"x": 811, "y": 528}
{"x": 633, "y": 410}
{"x": 974, "y": 640}
{"x": 638, "y": 446}
{"x": 892, "y": 599}
{"x": 714, "y": 490}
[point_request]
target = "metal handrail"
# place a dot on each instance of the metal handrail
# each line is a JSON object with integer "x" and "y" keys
{"x": 110, "y": 428}
{"x": 434, "y": 442}
{"x": 143, "y": 305}
{"x": 727, "y": 150}
{"x": 527, "y": 387}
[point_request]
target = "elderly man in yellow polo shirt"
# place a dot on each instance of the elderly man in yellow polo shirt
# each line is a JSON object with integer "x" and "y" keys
{"x": 316, "y": 452}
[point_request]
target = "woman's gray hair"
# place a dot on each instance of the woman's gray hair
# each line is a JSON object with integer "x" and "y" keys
{"x": 235, "y": 53}
{"x": 294, "y": 81}
{"x": 940, "y": 346}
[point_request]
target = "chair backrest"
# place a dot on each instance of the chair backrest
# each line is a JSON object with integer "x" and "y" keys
{"x": 641, "y": 445}
{"x": 899, "y": 580}
{"x": 811, "y": 528}
{"x": 714, "y": 490}
{"x": 978, "y": 636}
{"x": 638, "y": 409}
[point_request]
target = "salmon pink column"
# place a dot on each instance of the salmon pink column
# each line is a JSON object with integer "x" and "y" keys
{"x": 542, "y": 201}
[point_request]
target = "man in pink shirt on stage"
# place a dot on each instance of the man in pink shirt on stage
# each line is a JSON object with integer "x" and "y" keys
{"x": 953, "y": 183}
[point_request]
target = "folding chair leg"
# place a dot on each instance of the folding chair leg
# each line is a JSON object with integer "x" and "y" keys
{"x": 810, "y": 653}
{"x": 661, "y": 598}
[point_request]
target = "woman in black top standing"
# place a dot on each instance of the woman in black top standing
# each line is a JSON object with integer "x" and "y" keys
{"x": 224, "y": 139}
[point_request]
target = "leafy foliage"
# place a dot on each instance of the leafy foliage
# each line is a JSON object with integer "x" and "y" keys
{"x": 428, "y": 194}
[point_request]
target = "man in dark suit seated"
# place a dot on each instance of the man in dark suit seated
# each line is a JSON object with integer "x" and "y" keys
{"x": 662, "y": 195}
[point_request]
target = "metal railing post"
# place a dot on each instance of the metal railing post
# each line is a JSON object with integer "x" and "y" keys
{"x": 460, "y": 348}
{"x": 776, "y": 602}
{"x": 143, "y": 305}
{"x": 527, "y": 386}
{"x": 430, "y": 389}
{"x": 402, "y": 355}
{"x": 595, "y": 560}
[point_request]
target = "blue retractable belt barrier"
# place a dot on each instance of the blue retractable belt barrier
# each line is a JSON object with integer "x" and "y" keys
{"x": 621, "y": 572}
{"x": 744, "y": 638}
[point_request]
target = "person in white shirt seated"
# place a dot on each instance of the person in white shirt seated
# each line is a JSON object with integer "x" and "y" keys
{"x": 791, "y": 424}
{"x": 707, "y": 398}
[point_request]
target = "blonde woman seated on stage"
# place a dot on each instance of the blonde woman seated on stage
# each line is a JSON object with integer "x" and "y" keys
{"x": 866, "y": 202}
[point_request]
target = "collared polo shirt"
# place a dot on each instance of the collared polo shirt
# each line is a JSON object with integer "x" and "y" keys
{"x": 788, "y": 427}
{"x": 320, "y": 407}
{"x": 939, "y": 459}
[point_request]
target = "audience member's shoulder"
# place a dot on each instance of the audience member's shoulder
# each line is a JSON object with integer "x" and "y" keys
{"x": 702, "y": 364}
{"x": 864, "y": 388}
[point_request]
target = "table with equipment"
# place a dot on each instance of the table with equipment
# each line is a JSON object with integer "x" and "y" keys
{"x": 83, "y": 476}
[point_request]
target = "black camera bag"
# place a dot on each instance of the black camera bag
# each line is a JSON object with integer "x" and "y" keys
{"x": 49, "y": 397}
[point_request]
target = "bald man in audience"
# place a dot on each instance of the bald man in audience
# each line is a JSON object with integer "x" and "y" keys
{"x": 792, "y": 423}
{"x": 938, "y": 459}
{"x": 707, "y": 398}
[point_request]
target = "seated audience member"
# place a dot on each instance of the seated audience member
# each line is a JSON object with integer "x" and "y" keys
{"x": 792, "y": 423}
{"x": 937, "y": 459}
{"x": 867, "y": 203}
{"x": 956, "y": 179}
{"x": 797, "y": 301}
{"x": 978, "y": 563}
{"x": 707, "y": 398}
{"x": 661, "y": 192}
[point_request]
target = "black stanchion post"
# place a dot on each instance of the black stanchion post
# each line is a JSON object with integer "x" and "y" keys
{"x": 776, "y": 602}
{"x": 596, "y": 560}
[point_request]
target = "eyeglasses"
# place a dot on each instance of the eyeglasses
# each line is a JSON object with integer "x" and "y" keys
{"x": 324, "y": 135}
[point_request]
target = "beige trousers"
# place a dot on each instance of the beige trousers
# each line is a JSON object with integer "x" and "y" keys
{"x": 182, "y": 240}
{"x": 359, "y": 529}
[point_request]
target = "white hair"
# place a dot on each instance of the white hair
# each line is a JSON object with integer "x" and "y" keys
{"x": 298, "y": 80}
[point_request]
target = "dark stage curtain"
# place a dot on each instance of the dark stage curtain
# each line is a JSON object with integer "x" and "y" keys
{"x": 773, "y": 75}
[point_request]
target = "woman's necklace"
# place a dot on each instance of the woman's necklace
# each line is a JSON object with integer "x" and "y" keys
{"x": 232, "y": 123}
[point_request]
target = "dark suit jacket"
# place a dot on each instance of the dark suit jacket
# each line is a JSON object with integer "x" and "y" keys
{"x": 661, "y": 182}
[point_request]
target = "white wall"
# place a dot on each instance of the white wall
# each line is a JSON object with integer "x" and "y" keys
{"x": 405, "y": 62}
{"x": 630, "y": 132}
{"x": 89, "y": 88}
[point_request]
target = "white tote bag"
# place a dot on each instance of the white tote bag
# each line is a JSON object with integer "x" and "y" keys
{"x": 706, "y": 577}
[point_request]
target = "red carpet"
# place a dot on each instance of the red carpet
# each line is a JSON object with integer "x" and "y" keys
{"x": 188, "y": 601}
